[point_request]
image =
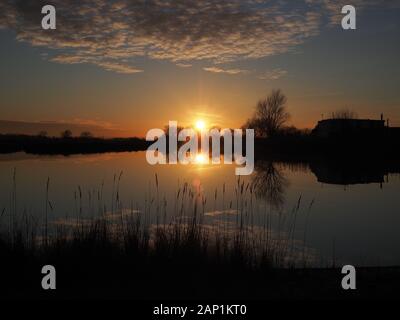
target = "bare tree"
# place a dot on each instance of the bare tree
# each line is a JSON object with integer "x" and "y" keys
{"x": 270, "y": 115}
{"x": 344, "y": 114}
{"x": 66, "y": 134}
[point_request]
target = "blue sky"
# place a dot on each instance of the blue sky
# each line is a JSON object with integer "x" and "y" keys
{"x": 137, "y": 64}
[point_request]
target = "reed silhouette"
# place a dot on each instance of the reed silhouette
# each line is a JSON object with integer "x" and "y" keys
{"x": 201, "y": 251}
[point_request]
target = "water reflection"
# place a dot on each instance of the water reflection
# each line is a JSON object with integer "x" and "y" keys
{"x": 362, "y": 221}
{"x": 270, "y": 183}
{"x": 351, "y": 173}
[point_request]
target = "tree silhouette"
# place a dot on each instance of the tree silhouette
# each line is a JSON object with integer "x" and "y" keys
{"x": 66, "y": 134}
{"x": 270, "y": 115}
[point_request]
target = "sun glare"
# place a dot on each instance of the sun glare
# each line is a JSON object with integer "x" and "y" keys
{"x": 201, "y": 159}
{"x": 200, "y": 125}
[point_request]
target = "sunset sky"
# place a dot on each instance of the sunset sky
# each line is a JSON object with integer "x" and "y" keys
{"x": 134, "y": 65}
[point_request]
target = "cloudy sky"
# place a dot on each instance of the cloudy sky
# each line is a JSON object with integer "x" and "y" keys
{"x": 133, "y": 65}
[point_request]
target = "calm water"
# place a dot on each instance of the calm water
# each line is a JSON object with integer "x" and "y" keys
{"x": 358, "y": 223}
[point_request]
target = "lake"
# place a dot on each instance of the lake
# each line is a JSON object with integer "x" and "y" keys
{"x": 339, "y": 215}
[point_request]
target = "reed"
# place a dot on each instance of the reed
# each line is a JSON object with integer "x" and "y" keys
{"x": 184, "y": 224}
{"x": 188, "y": 240}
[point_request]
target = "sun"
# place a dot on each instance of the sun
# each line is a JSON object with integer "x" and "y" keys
{"x": 200, "y": 125}
{"x": 200, "y": 159}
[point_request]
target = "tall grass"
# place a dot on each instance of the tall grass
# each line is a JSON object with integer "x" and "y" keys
{"x": 228, "y": 234}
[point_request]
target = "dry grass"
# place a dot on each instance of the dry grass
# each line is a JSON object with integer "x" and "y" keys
{"x": 226, "y": 234}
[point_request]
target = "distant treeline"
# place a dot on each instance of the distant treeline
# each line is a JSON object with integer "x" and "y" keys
{"x": 297, "y": 146}
{"x": 40, "y": 144}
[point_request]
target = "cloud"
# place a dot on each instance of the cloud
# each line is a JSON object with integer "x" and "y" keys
{"x": 333, "y": 8}
{"x": 183, "y": 65}
{"x": 118, "y": 67}
{"x": 113, "y": 34}
{"x": 226, "y": 71}
{"x": 274, "y": 74}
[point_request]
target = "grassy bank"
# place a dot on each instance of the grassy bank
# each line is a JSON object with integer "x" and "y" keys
{"x": 173, "y": 265}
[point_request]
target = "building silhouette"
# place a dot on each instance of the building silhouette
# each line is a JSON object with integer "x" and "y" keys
{"x": 349, "y": 127}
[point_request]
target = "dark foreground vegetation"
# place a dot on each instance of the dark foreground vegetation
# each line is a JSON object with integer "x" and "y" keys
{"x": 168, "y": 262}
